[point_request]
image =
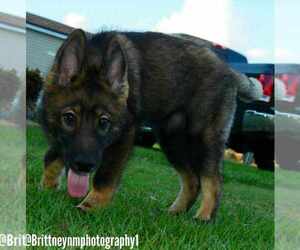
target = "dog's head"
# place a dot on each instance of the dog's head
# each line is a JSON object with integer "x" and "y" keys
{"x": 84, "y": 102}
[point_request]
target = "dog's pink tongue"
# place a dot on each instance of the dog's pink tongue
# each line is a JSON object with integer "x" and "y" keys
{"x": 78, "y": 185}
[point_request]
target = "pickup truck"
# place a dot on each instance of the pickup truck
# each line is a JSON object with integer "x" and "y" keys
{"x": 253, "y": 128}
{"x": 272, "y": 122}
{"x": 287, "y": 116}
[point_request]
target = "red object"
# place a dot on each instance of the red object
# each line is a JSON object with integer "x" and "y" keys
{"x": 285, "y": 77}
{"x": 291, "y": 82}
{"x": 267, "y": 82}
{"x": 293, "y": 86}
{"x": 218, "y": 46}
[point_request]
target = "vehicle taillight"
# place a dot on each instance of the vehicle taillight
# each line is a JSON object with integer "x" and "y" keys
{"x": 293, "y": 86}
{"x": 291, "y": 82}
{"x": 261, "y": 78}
{"x": 218, "y": 46}
{"x": 267, "y": 82}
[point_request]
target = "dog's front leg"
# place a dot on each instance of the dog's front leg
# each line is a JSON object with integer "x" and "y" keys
{"x": 108, "y": 175}
{"x": 52, "y": 169}
{"x": 105, "y": 183}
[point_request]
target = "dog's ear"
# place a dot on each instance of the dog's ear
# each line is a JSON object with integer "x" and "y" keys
{"x": 117, "y": 67}
{"x": 69, "y": 58}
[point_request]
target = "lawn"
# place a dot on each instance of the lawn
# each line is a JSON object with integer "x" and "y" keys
{"x": 12, "y": 185}
{"x": 287, "y": 213}
{"x": 245, "y": 219}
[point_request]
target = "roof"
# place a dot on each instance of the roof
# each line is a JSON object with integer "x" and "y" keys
{"x": 17, "y": 22}
{"x": 48, "y": 24}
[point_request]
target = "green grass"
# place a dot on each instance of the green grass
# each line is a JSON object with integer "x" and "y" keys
{"x": 12, "y": 189}
{"x": 245, "y": 219}
{"x": 287, "y": 213}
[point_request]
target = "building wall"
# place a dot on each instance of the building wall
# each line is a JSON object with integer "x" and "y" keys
{"x": 12, "y": 50}
{"x": 41, "y": 50}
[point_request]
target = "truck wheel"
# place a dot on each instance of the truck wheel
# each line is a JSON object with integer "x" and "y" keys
{"x": 264, "y": 160}
{"x": 146, "y": 140}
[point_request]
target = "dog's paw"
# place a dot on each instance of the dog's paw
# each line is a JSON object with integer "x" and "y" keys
{"x": 203, "y": 216}
{"x": 51, "y": 183}
{"x": 174, "y": 210}
{"x": 95, "y": 199}
{"x": 47, "y": 184}
{"x": 85, "y": 207}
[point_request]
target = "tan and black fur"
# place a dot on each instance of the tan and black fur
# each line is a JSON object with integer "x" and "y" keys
{"x": 183, "y": 89}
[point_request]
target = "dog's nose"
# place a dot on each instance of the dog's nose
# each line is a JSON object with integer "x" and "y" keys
{"x": 84, "y": 164}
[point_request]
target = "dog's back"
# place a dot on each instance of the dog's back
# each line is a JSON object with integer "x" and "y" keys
{"x": 168, "y": 72}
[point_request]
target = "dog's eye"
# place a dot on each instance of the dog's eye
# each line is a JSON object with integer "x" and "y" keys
{"x": 69, "y": 120}
{"x": 103, "y": 125}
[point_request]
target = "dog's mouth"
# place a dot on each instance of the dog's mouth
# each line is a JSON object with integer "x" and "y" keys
{"x": 78, "y": 183}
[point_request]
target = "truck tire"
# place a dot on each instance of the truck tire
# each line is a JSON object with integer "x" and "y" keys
{"x": 146, "y": 140}
{"x": 264, "y": 159}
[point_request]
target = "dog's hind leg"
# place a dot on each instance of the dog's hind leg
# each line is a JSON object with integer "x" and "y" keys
{"x": 52, "y": 169}
{"x": 209, "y": 129}
{"x": 173, "y": 142}
{"x": 108, "y": 175}
{"x": 189, "y": 188}
{"x": 211, "y": 192}
{"x": 206, "y": 158}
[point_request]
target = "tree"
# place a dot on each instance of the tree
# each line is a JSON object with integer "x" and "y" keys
{"x": 9, "y": 84}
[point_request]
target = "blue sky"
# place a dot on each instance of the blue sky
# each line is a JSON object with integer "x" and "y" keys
{"x": 132, "y": 14}
{"x": 260, "y": 29}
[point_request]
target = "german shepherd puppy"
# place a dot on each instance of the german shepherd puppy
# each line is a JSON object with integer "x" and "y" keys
{"x": 100, "y": 88}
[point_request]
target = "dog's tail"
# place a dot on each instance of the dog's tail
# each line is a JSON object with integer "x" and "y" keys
{"x": 249, "y": 89}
